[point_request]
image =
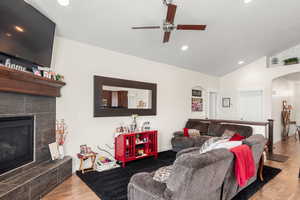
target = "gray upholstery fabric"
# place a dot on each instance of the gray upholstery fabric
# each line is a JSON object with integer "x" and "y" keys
{"x": 189, "y": 150}
{"x": 179, "y": 143}
{"x": 143, "y": 187}
{"x": 199, "y": 176}
{"x": 194, "y": 177}
{"x": 231, "y": 188}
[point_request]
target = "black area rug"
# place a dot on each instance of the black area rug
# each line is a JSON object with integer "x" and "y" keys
{"x": 112, "y": 184}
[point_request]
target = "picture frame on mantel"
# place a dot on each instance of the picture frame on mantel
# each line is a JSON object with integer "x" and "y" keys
{"x": 107, "y": 89}
{"x": 226, "y": 101}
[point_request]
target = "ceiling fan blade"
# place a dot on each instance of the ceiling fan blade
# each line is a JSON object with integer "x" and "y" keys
{"x": 166, "y": 37}
{"x": 146, "y": 27}
{"x": 171, "y": 13}
{"x": 191, "y": 27}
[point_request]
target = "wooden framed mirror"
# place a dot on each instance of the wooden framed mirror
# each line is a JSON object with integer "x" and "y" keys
{"x": 119, "y": 97}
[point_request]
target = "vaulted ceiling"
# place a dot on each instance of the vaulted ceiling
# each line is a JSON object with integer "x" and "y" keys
{"x": 236, "y": 31}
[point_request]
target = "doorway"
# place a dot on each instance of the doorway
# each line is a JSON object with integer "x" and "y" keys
{"x": 213, "y": 105}
{"x": 251, "y": 105}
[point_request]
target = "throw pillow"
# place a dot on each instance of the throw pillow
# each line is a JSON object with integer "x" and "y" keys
{"x": 220, "y": 143}
{"x": 162, "y": 174}
{"x": 208, "y": 143}
{"x": 228, "y": 133}
{"x": 186, "y": 132}
{"x": 237, "y": 137}
{"x": 193, "y": 132}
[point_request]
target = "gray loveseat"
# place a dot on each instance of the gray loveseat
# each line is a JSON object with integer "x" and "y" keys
{"x": 195, "y": 176}
{"x": 207, "y": 129}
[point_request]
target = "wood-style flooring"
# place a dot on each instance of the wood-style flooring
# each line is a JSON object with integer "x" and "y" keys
{"x": 285, "y": 186}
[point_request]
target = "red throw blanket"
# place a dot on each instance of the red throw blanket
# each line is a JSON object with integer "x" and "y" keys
{"x": 244, "y": 164}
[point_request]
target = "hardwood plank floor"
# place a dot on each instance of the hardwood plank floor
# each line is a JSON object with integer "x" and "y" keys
{"x": 285, "y": 186}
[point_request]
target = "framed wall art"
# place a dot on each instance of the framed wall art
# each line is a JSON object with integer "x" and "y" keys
{"x": 226, "y": 102}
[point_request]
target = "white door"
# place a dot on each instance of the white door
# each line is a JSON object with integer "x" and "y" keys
{"x": 250, "y": 105}
{"x": 213, "y": 97}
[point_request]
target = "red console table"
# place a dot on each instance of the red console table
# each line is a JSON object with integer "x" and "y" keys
{"x": 133, "y": 146}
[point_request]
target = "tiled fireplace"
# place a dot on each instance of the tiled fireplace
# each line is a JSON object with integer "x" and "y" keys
{"x": 16, "y": 142}
{"x": 27, "y": 126}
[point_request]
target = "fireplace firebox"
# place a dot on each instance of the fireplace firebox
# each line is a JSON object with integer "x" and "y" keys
{"x": 16, "y": 142}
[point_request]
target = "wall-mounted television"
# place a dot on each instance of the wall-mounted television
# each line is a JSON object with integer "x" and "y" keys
{"x": 25, "y": 33}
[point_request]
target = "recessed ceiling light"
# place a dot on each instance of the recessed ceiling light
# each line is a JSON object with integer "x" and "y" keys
{"x": 184, "y": 47}
{"x": 20, "y": 29}
{"x": 241, "y": 62}
{"x": 247, "y": 1}
{"x": 64, "y": 2}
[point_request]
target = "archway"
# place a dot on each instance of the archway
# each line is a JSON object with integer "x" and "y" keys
{"x": 285, "y": 105}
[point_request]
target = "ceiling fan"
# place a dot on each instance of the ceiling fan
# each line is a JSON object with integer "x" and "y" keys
{"x": 168, "y": 25}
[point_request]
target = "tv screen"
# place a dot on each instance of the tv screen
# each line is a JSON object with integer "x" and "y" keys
{"x": 25, "y": 33}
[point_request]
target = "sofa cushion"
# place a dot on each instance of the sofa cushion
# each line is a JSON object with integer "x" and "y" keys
{"x": 163, "y": 173}
{"x": 245, "y": 131}
{"x": 213, "y": 129}
{"x": 201, "y": 126}
{"x": 228, "y": 133}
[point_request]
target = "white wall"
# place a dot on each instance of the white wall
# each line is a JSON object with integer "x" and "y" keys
{"x": 255, "y": 76}
{"x": 79, "y": 62}
{"x": 282, "y": 89}
{"x": 297, "y": 103}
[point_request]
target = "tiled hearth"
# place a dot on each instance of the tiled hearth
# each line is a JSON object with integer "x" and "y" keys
{"x": 36, "y": 179}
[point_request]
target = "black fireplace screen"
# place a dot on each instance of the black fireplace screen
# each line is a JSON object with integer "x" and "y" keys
{"x": 16, "y": 142}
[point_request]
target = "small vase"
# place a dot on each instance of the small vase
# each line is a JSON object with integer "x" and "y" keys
{"x": 61, "y": 151}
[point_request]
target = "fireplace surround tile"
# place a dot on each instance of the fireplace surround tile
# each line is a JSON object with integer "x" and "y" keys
{"x": 20, "y": 193}
{"x": 39, "y": 104}
{"x": 32, "y": 181}
{"x": 11, "y": 103}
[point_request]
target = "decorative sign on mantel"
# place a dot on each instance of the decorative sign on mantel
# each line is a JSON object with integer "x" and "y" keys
{"x": 14, "y": 66}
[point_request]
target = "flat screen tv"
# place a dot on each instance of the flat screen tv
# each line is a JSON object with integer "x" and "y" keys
{"x": 25, "y": 33}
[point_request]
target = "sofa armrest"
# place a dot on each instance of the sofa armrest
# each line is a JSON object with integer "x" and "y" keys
{"x": 189, "y": 150}
{"x": 257, "y": 143}
{"x": 142, "y": 186}
{"x": 179, "y": 143}
{"x": 178, "y": 134}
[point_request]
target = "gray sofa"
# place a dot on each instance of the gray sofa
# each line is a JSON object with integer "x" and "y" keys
{"x": 195, "y": 176}
{"x": 207, "y": 129}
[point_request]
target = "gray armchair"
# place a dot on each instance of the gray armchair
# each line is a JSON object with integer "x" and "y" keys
{"x": 195, "y": 177}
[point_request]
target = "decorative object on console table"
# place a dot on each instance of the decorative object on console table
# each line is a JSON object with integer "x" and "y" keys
{"x": 226, "y": 102}
{"x": 146, "y": 126}
{"x": 133, "y": 146}
{"x": 133, "y": 126}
